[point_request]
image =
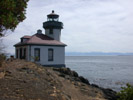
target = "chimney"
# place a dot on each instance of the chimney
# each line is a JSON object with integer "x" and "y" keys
{"x": 39, "y": 31}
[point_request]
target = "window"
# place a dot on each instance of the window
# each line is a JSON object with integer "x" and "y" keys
{"x": 51, "y": 31}
{"x": 24, "y": 53}
{"x": 50, "y": 54}
{"x": 17, "y": 53}
{"x": 20, "y": 53}
{"x": 37, "y": 54}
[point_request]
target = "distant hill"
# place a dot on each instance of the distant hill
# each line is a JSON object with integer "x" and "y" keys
{"x": 97, "y": 54}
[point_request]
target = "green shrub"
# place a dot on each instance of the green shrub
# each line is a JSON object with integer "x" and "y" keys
{"x": 2, "y": 58}
{"x": 126, "y": 93}
{"x": 35, "y": 58}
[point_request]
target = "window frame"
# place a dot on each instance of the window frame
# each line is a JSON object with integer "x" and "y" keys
{"x": 17, "y": 53}
{"x": 20, "y": 53}
{"x": 24, "y": 54}
{"x": 50, "y": 55}
{"x": 38, "y": 53}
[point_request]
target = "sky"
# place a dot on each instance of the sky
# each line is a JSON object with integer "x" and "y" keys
{"x": 89, "y": 25}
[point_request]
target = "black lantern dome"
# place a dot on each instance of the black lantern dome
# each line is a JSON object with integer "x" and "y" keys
{"x": 53, "y": 21}
{"x": 53, "y": 16}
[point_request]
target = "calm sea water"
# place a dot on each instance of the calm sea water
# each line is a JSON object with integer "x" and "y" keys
{"x": 106, "y": 71}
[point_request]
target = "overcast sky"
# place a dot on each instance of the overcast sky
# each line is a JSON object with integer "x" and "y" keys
{"x": 89, "y": 25}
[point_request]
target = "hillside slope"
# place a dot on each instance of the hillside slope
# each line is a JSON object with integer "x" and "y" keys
{"x": 22, "y": 80}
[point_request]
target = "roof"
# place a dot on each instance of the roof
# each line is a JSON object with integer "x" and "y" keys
{"x": 40, "y": 39}
{"x": 26, "y": 36}
{"x": 52, "y": 15}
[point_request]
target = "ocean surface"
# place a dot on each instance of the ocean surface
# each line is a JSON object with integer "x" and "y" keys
{"x": 106, "y": 71}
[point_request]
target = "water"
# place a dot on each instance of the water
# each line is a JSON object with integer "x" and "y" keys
{"x": 106, "y": 71}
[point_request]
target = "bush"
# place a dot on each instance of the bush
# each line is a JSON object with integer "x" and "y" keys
{"x": 2, "y": 58}
{"x": 126, "y": 93}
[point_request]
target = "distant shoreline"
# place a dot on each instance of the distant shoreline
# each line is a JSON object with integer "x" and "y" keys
{"x": 95, "y": 55}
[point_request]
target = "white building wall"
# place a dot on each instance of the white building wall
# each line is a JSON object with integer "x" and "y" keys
{"x": 59, "y": 55}
{"x": 47, "y": 33}
{"x": 56, "y": 34}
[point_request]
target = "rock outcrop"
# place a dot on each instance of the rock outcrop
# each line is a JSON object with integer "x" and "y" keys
{"x": 109, "y": 93}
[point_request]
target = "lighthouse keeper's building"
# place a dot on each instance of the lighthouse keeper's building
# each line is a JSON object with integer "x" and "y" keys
{"x": 46, "y": 49}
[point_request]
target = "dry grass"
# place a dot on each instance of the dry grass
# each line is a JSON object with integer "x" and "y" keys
{"x": 2, "y": 74}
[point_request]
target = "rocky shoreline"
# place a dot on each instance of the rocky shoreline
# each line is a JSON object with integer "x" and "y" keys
{"x": 22, "y": 80}
{"x": 73, "y": 76}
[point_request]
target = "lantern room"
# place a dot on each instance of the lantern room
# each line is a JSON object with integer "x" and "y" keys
{"x": 52, "y": 17}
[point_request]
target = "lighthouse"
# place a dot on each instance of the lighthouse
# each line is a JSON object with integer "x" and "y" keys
{"x": 53, "y": 27}
{"x": 44, "y": 48}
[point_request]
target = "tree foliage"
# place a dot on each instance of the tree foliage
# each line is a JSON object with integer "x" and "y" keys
{"x": 12, "y": 12}
{"x": 126, "y": 93}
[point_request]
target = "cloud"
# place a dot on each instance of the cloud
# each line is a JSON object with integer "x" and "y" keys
{"x": 89, "y": 25}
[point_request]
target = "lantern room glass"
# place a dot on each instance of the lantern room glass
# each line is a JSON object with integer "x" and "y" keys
{"x": 52, "y": 19}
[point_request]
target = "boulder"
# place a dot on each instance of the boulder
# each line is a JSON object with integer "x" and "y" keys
{"x": 84, "y": 80}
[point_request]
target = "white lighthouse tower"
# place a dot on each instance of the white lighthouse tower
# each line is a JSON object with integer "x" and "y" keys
{"x": 52, "y": 26}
